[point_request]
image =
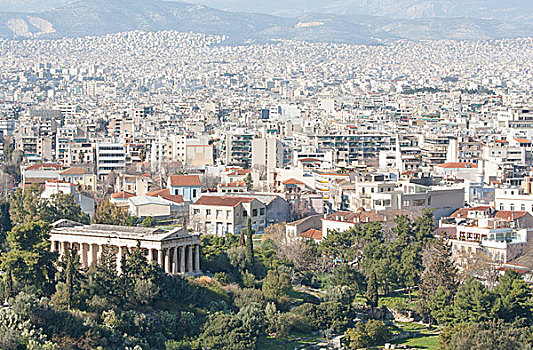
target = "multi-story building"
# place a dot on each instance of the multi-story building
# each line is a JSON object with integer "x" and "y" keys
{"x": 110, "y": 156}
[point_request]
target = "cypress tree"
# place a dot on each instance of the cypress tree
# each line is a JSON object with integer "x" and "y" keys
{"x": 372, "y": 291}
{"x": 249, "y": 246}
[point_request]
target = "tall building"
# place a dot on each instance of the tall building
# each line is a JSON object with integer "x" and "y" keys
{"x": 110, "y": 157}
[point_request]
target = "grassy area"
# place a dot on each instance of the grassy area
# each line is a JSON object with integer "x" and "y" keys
{"x": 422, "y": 338}
{"x": 292, "y": 342}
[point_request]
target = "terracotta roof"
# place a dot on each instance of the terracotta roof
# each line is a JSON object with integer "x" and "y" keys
{"x": 521, "y": 140}
{"x": 222, "y": 201}
{"x": 185, "y": 180}
{"x": 456, "y": 165}
{"x": 122, "y": 195}
{"x": 73, "y": 171}
{"x": 501, "y": 141}
{"x": 312, "y": 234}
{"x": 510, "y": 215}
{"x": 41, "y": 166}
{"x": 292, "y": 182}
{"x": 165, "y": 194}
{"x": 240, "y": 172}
{"x": 463, "y": 212}
{"x": 309, "y": 160}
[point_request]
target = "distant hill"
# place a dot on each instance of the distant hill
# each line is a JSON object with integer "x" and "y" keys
{"x": 98, "y": 17}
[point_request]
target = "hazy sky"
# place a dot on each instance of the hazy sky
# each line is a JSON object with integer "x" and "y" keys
{"x": 497, "y": 9}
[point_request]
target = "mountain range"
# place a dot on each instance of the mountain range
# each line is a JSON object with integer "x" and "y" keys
{"x": 341, "y": 21}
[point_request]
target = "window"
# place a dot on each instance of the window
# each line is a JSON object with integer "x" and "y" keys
{"x": 262, "y": 211}
{"x": 429, "y": 200}
{"x": 196, "y": 211}
{"x": 244, "y": 214}
{"x": 254, "y": 212}
{"x": 501, "y": 206}
{"x": 194, "y": 193}
{"x": 523, "y": 207}
{"x": 208, "y": 212}
{"x": 228, "y": 214}
{"x": 219, "y": 214}
{"x": 512, "y": 207}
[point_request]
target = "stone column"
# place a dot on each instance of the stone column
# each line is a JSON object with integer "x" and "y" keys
{"x": 160, "y": 257}
{"x": 64, "y": 248}
{"x": 91, "y": 258}
{"x": 52, "y": 246}
{"x": 197, "y": 259}
{"x": 150, "y": 256}
{"x": 99, "y": 252}
{"x": 182, "y": 263}
{"x": 122, "y": 251}
{"x": 189, "y": 263}
{"x": 168, "y": 266}
{"x": 83, "y": 256}
{"x": 175, "y": 266}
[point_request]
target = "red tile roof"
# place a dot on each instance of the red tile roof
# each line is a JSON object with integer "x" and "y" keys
{"x": 292, "y": 182}
{"x": 73, "y": 171}
{"x": 165, "y": 194}
{"x": 456, "y": 165}
{"x": 510, "y": 215}
{"x": 222, "y": 201}
{"x": 521, "y": 140}
{"x": 122, "y": 195}
{"x": 185, "y": 180}
{"x": 312, "y": 234}
{"x": 42, "y": 166}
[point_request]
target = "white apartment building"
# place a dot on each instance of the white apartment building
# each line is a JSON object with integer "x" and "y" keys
{"x": 110, "y": 156}
{"x": 267, "y": 153}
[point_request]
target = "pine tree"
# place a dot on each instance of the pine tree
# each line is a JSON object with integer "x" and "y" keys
{"x": 439, "y": 271}
{"x": 8, "y": 284}
{"x": 250, "y": 259}
{"x": 69, "y": 272}
{"x": 372, "y": 291}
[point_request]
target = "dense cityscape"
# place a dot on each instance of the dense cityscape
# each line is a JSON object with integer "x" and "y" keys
{"x": 166, "y": 190}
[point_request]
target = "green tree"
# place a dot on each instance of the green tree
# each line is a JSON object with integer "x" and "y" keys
{"x": 139, "y": 279}
{"x": 249, "y": 182}
{"x": 372, "y": 296}
{"x": 275, "y": 287}
{"x": 441, "y": 306}
{"x": 439, "y": 271}
{"x": 367, "y": 334}
{"x": 29, "y": 258}
{"x": 226, "y": 332}
{"x": 105, "y": 279}
{"x": 250, "y": 259}
{"x": 148, "y": 221}
{"x": 5, "y": 222}
{"x": 109, "y": 214}
{"x": 24, "y": 205}
{"x": 514, "y": 297}
{"x": 62, "y": 206}
{"x": 473, "y": 302}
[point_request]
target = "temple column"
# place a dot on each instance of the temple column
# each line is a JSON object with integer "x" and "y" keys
{"x": 168, "y": 266}
{"x": 64, "y": 248}
{"x": 83, "y": 256}
{"x": 160, "y": 257}
{"x": 197, "y": 259}
{"x": 91, "y": 258}
{"x": 150, "y": 256}
{"x": 182, "y": 263}
{"x": 189, "y": 263}
{"x": 52, "y": 246}
{"x": 121, "y": 254}
{"x": 175, "y": 266}
{"x": 99, "y": 252}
